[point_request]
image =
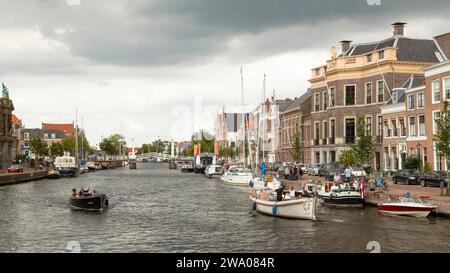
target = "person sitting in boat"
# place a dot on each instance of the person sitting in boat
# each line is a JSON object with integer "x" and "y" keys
{"x": 287, "y": 172}
{"x": 74, "y": 193}
{"x": 335, "y": 187}
{"x": 292, "y": 193}
{"x": 95, "y": 192}
{"x": 279, "y": 192}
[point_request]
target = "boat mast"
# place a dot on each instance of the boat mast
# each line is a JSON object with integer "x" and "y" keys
{"x": 264, "y": 120}
{"x": 243, "y": 118}
{"x": 82, "y": 139}
{"x": 76, "y": 136}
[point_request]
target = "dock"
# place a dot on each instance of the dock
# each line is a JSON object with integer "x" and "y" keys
{"x": 27, "y": 176}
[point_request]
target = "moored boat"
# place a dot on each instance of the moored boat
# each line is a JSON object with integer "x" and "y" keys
{"x": 407, "y": 206}
{"x": 67, "y": 166}
{"x": 213, "y": 170}
{"x": 296, "y": 208}
{"x": 339, "y": 195}
{"x": 237, "y": 176}
{"x": 53, "y": 174}
{"x": 187, "y": 168}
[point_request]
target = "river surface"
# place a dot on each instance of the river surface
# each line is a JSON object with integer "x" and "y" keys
{"x": 154, "y": 209}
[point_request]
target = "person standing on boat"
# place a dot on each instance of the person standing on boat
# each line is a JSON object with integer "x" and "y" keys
{"x": 348, "y": 174}
{"x": 287, "y": 172}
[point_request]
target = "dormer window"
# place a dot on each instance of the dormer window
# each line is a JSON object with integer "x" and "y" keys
{"x": 369, "y": 58}
{"x": 394, "y": 96}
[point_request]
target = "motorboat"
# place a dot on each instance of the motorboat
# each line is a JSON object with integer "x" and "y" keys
{"x": 53, "y": 174}
{"x": 67, "y": 166}
{"x": 132, "y": 164}
{"x": 187, "y": 168}
{"x": 237, "y": 176}
{"x": 89, "y": 201}
{"x": 340, "y": 195}
{"x": 407, "y": 206}
{"x": 172, "y": 164}
{"x": 84, "y": 169}
{"x": 213, "y": 170}
{"x": 266, "y": 202}
{"x": 92, "y": 166}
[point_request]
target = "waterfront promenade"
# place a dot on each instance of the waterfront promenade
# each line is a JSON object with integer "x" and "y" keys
{"x": 26, "y": 176}
{"x": 429, "y": 194}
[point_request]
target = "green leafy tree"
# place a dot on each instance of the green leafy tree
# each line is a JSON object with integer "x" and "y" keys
{"x": 348, "y": 157}
{"x": 56, "y": 149}
{"x": 113, "y": 145}
{"x": 38, "y": 146}
{"x": 68, "y": 144}
{"x": 412, "y": 163}
{"x": 363, "y": 147}
{"x": 442, "y": 136}
{"x": 296, "y": 147}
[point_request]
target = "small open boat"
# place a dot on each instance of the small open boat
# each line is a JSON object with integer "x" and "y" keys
{"x": 53, "y": 174}
{"x": 89, "y": 202}
{"x": 407, "y": 206}
{"x": 187, "y": 168}
{"x": 296, "y": 208}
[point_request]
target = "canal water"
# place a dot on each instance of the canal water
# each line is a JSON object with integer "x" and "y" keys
{"x": 154, "y": 209}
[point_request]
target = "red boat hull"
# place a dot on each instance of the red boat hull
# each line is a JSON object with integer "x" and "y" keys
{"x": 416, "y": 211}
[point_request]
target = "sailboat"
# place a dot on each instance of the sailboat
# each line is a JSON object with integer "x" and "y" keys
{"x": 268, "y": 194}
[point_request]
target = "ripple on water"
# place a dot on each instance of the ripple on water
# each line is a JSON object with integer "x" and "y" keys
{"x": 154, "y": 209}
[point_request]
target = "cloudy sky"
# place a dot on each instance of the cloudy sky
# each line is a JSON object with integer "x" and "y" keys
{"x": 161, "y": 67}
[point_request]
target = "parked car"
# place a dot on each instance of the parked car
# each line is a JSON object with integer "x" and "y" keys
{"x": 434, "y": 178}
{"x": 303, "y": 167}
{"x": 408, "y": 176}
{"x": 313, "y": 169}
{"x": 15, "y": 169}
{"x": 358, "y": 172}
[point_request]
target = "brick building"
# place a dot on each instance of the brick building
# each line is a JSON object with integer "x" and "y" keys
{"x": 293, "y": 118}
{"x": 437, "y": 89}
{"x": 357, "y": 82}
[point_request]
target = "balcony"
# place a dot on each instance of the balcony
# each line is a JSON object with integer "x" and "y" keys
{"x": 349, "y": 139}
{"x": 332, "y": 140}
{"x": 316, "y": 142}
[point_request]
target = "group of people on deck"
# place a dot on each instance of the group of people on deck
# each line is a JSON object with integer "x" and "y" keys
{"x": 85, "y": 193}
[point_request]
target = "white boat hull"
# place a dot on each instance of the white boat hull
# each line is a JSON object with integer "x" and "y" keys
{"x": 237, "y": 180}
{"x": 303, "y": 208}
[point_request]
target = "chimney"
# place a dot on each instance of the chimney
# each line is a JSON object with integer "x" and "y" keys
{"x": 399, "y": 28}
{"x": 345, "y": 45}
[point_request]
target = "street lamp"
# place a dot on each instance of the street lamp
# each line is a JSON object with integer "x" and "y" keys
{"x": 418, "y": 154}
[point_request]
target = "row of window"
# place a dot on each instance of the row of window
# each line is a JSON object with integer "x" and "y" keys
{"x": 392, "y": 130}
{"x": 46, "y": 136}
{"x": 436, "y": 89}
{"x": 329, "y": 98}
{"x": 420, "y": 101}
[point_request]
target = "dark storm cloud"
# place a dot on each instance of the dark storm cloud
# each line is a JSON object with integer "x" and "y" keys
{"x": 188, "y": 32}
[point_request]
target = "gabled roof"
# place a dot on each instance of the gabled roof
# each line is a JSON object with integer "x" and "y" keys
{"x": 37, "y": 132}
{"x": 414, "y": 50}
{"x": 66, "y": 128}
{"x": 296, "y": 103}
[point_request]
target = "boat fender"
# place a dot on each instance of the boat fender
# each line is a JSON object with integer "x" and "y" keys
{"x": 274, "y": 210}
{"x": 254, "y": 205}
